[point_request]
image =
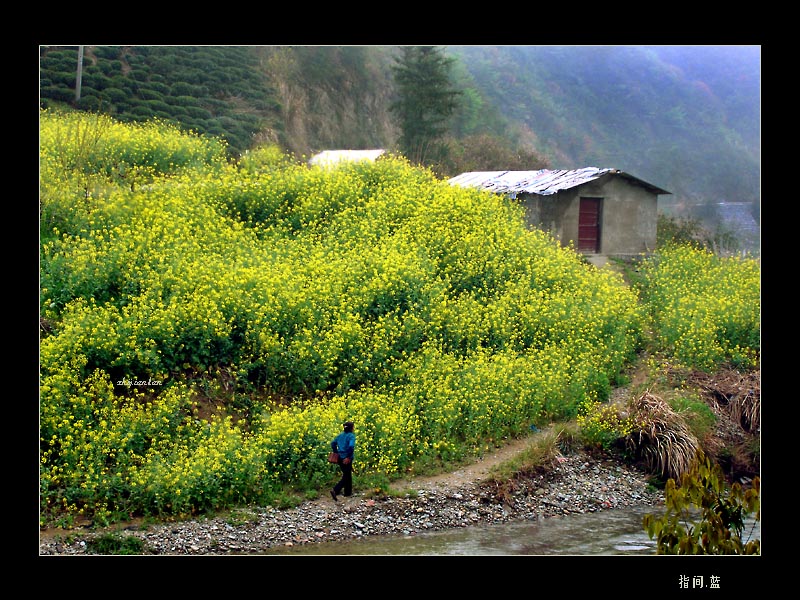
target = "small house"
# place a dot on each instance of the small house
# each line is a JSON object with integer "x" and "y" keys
{"x": 330, "y": 158}
{"x": 598, "y": 211}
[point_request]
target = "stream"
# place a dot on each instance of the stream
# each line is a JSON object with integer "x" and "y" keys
{"x": 608, "y": 532}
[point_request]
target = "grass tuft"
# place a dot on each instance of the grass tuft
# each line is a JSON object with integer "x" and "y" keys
{"x": 664, "y": 440}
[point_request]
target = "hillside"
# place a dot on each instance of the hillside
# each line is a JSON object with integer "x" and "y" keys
{"x": 500, "y": 477}
{"x": 206, "y": 325}
{"x": 217, "y": 91}
{"x": 684, "y": 118}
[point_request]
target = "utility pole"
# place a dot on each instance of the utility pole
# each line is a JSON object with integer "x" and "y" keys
{"x": 80, "y": 73}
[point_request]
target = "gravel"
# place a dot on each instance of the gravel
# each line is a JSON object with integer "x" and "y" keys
{"x": 577, "y": 483}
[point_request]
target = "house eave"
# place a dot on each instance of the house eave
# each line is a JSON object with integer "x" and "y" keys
{"x": 543, "y": 182}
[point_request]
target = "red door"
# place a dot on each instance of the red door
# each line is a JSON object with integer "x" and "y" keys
{"x": 589, "y": 225}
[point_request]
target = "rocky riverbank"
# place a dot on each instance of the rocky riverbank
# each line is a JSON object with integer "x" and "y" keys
{"x": 577, "y": 483}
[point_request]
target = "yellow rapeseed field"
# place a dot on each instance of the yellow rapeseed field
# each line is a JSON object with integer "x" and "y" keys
{"x": 209, "y": 323}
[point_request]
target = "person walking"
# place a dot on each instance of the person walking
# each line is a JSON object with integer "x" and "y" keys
{"x": 344, "y": 444}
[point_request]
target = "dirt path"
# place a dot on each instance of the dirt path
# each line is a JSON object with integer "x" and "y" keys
{"x": 575, "y": 475}
{"x": 470, "y": 473}
{"x": 480, "y": 469}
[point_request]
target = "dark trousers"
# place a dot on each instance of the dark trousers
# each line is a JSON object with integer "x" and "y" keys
{"x": 346, "y": 482}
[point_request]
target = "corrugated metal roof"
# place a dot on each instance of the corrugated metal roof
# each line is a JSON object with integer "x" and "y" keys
{"x": 332, "y": 157}
{"x": 543, "y": 182}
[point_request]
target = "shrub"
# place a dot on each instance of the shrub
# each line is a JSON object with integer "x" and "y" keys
{"x": 115, "y": 544}
{"x": 147, "y": 93}
{"x": 706, "y": 309}
{"x": 58, "y": 92}
{"x": 673, "y": 230}
{"x": 196, "y": 112}
{"x": 116, "y": 96}
{"x": 722, "y": 515}
{"x": 183, "y": 100}
{"x": 123, "y": 83}
{"x": 604, "y": 424}
{"x": 374, "y": 292}
{"x": 139, "y": 75}
{"x": 110, "y": 67}
{"x": 107, "y": 52}
{"x": 662, "y": 438}
{"x": 97, "y": 81}
{"x": 696, "y": 413}
{"x": 89, "y": 101}
{"x": 160, "y": 88}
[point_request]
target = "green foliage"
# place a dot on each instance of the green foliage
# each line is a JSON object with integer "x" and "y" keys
{"x": 722, "y": 513}
{"x": 706, "y": 309}
{"x": 696, "y": 413}
{"x": 85, "y": 156}
{"x": 428, "y": 314}
{"x": 691, "y": 231}
{"x": 674, "y": 230}
{"x": 604, "y": 424}
{"x": 263, "y": 159}
{"x": 115, "y": 544}
{"x": 131, "y": 83}
{"x": 684, "y": 116}
{"x": 211, "y": 326}
{"x": 426, "y": 100}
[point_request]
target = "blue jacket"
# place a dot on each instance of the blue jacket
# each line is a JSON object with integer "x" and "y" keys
{"x": 344, "y": 444}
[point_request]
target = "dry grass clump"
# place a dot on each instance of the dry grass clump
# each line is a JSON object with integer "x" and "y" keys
{"x": 739, "y": 394}
{"x": 734, "y": 398}
{"x": 746, "y": 409}
{"x": 663, "y": 439}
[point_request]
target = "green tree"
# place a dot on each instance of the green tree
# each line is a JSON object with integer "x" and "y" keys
{"x": 679, "y": 230}
{"x": 426, "y": 99}
{"x": 722, "y": 511}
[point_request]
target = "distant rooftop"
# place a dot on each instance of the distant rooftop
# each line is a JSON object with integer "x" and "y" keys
{"x": 737, "y": 217}
{"x": 543, "y": 182}
{"x": 329, "y": 158}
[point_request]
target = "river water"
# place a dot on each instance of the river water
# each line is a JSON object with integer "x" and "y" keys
{"x": 608, "y": 532}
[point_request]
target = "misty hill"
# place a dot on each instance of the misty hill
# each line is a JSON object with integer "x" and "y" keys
{"x": 683, "y": 118}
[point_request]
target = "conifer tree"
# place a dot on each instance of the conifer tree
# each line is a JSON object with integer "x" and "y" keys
{"x": 425, "y": 99}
